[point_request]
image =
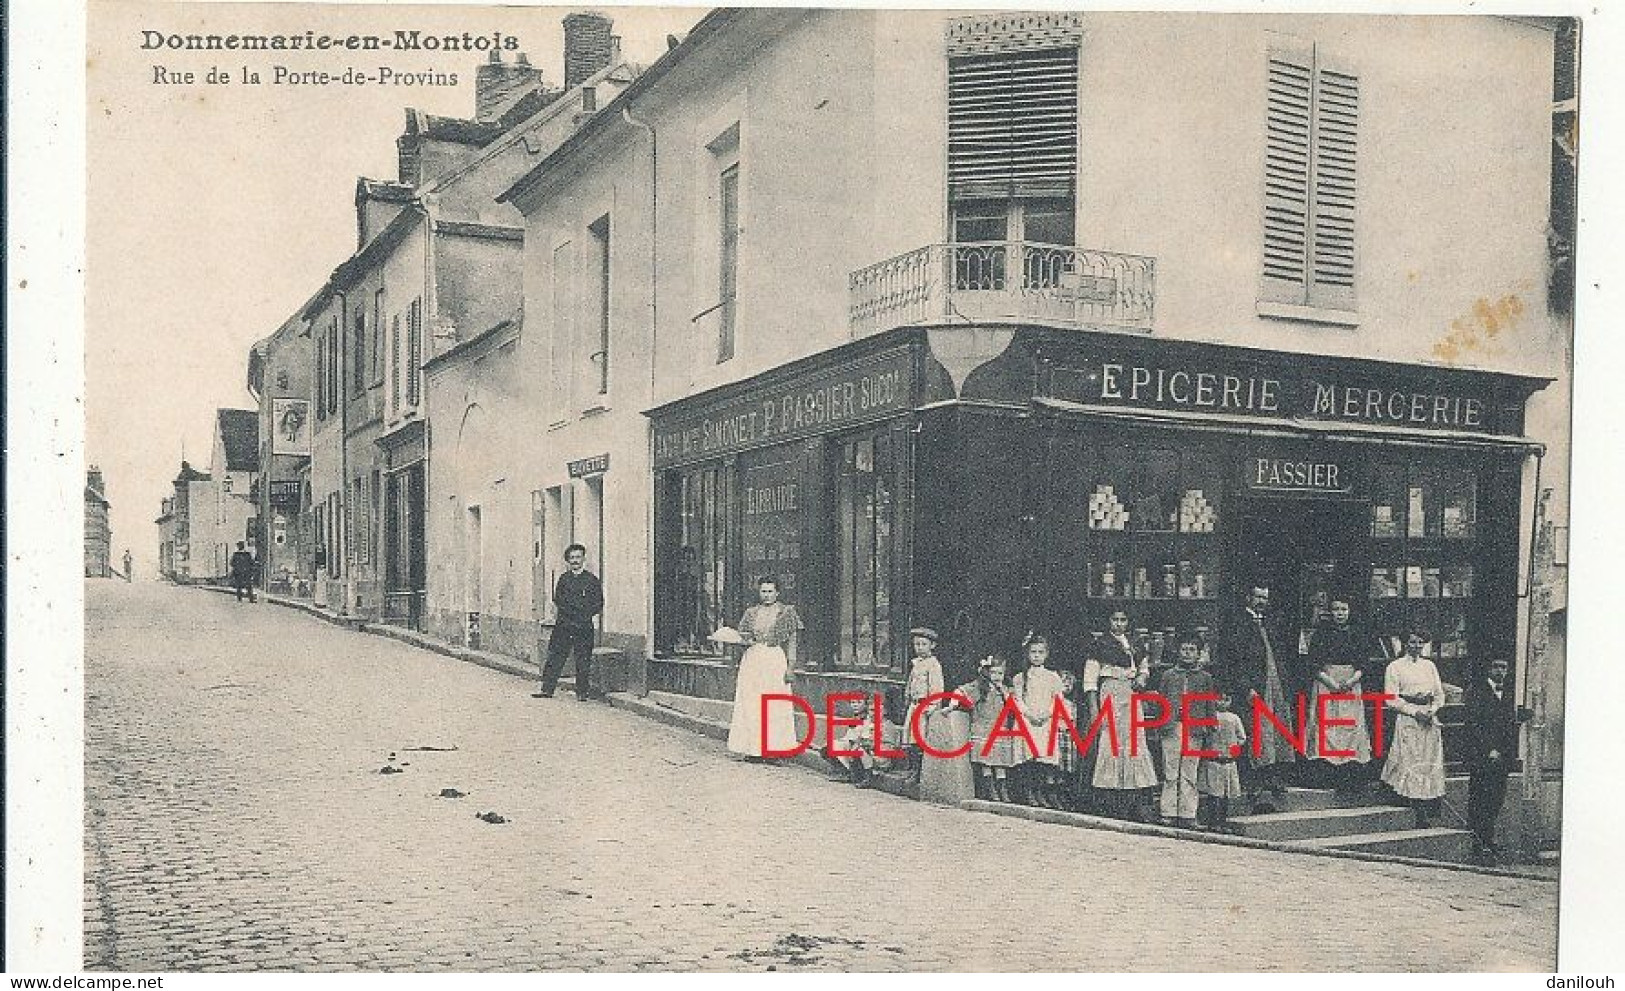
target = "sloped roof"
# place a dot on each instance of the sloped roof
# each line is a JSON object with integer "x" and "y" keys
{"x": 240, "y": 436}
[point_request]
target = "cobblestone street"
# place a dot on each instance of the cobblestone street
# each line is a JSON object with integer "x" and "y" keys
{"x": 237, "y": 819}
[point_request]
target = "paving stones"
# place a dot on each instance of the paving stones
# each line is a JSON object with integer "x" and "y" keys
{"x": 232, "y": 830}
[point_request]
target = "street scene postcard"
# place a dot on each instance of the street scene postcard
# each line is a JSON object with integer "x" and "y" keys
{"x": 785, "y": 489}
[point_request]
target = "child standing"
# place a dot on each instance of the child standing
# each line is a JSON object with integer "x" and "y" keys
{"x": 1218, "y": 778}
{"x": 924, "y": 680}
{"x": 987, "y": 694}
{"x": 1180, "y": 741}
{"x": 1039, "y": 690}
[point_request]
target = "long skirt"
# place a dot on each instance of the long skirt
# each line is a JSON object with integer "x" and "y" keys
{"x": 947, "y": 780}
{"x": 1130, "y": 766}
{"x": 1338, "y": 737}
{"x": 761, "y": 672}
{"x": 1415, "y": 766}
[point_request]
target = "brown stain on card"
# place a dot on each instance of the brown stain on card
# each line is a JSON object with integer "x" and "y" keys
{"x": 1478, "y": 331}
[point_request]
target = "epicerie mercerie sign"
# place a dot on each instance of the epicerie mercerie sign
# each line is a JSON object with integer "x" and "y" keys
{"x": 816, "y": 402}
{"x": 1254, "y": 390}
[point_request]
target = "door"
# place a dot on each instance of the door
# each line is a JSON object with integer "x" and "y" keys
{"x": 1304, "y": 551}
{"x": 473, "y": 552}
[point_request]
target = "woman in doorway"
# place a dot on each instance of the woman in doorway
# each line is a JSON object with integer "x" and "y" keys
{"x": 1337, "y": 653}
{"x": 1111, "y": 676}
{"x": 1415, "y": 765}
{"x": 770, "y": 628}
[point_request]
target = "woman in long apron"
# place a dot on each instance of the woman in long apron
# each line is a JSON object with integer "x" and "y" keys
{"x": 771, "y": 628}
{"x": 1415, "y": 765}
{"x": 1123, "y": 768}
{"x": 1337, "y": 653}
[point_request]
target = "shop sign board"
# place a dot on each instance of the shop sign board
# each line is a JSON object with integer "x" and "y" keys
{"x": 816, "y": 402}
{"x": 1278, "y": 387}
{"x": 1323, "y": 472}
{"x": 595, "y": 465}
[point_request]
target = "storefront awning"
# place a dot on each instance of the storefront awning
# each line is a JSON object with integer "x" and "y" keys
{"x": 1360, "y": 433}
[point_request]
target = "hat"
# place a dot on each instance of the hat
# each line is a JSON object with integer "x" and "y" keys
{"x": 926, "y": 632}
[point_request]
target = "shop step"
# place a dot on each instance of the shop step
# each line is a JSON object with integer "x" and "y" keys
{"x": 1309, "y": 799}
{"x": 714, "y": 710}
{"x": 1309, "y": 824}
{"x": 1434, "y": 843}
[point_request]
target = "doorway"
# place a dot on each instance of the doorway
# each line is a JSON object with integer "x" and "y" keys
{"x": 1305, "y": 551}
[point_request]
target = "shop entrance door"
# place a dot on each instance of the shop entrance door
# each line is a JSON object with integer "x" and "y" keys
{"x": 1304, "y": 551}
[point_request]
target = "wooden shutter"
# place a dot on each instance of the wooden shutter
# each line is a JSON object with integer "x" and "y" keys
{"x": 1310, "y": 159}
{"x": 1013, "y": 124}
{"x": 395, "y": 363}
{"x": 1288, "y": 126}
{"x": 1337, "y": 116}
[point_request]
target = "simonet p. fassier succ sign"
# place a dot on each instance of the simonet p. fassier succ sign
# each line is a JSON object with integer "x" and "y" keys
{"x": 1276, "y": 390}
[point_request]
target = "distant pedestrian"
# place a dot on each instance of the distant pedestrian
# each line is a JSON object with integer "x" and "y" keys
{"x": 1492, "y": 747}
{"x": 578, "y": 598}
{"x": 242, "y": 572}
{"x": 129, "y": 575}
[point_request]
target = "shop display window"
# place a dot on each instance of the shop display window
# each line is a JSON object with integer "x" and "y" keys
{"x": 866, "y": 509}
{"x": 702, "y": 584}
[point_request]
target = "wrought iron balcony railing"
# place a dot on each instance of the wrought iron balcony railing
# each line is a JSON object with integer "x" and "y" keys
{"x": 1003, "y": 282}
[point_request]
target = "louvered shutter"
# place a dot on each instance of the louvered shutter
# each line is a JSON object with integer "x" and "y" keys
{"x": 1310, "y": 164}
{"x": 1288, "y": 127}
{"x": 1337, "y": 118}
{"x": 1013, "y": 124}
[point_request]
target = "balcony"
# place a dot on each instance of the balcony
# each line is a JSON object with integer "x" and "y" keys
{"x": 977, "y": 283}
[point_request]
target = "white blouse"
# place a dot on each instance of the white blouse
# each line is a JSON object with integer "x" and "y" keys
{"x": 1408, "y": 676}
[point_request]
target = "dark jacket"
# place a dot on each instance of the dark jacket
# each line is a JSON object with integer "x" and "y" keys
{"x": 1240, "y": 665}
{"x": 1492, "y": 724}
{"x": 242, "y": 568}
{"x": 1342, "y": 645}
{"x": 578, "y": 599}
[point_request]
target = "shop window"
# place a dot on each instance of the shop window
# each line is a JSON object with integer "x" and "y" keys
{"x": 1148, "y": 522}
{"x": 705, "y": 591}
{"x": 1424, "y": 529}
{"x": 866, "y": 507}
{"x": 1311, "y": 131}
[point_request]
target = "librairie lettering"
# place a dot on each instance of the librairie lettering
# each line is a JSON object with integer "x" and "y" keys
{"x": 1249, "y": 393}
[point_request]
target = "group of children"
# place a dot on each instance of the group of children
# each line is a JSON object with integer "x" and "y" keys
{"x": 1126, "y": 771}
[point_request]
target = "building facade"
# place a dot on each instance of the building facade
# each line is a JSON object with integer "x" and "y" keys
{"x": 231, "y": 515}
{"x": 280, "y": 371}
{"x": 98, "y": 529}
{"x": 192, "y": 492}
{"x": 996, "y": 392}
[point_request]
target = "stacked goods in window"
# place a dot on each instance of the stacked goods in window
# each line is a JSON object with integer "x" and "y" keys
{"x": 1106, "y": 511}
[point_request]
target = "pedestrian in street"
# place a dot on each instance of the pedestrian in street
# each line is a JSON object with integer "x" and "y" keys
{"x": 991, "y": 764}
{"x": 1039, "y": 691}
{"x": 242, "y": 572}
{"x": 1186, "y": 733}
{"x": 924, "y": 680}
{"x": 1493, "y": 717}
{"x": 1217, "y": 778}
{"x": 578, "y": 598}
{"x": 1252, "y": 670}
{"x": 1415, "y": 765}
{"x": 1123, "y": 769}
{"x": 129, "y": 574}
{"x": 1337, "y": 654}
{"x": 771, "y": 628}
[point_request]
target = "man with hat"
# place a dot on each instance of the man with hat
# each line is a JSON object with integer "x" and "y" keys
{"x": 924, "y": 679}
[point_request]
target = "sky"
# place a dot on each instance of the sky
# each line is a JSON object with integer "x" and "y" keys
{"x": 215, "y": 210}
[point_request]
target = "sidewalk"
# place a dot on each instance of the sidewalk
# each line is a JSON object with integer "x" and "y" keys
{"x": 708, "y": 718}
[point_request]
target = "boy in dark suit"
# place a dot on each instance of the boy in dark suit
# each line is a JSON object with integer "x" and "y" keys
{"x": 1492, "y": 748}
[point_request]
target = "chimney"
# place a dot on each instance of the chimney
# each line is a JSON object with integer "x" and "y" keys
{"x": 409, "y": 152}
{"x": 589, "y": 47}
{"x": 93, "y": 479}
{"x": 497, "y": 84}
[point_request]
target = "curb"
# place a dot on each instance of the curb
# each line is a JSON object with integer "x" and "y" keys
{"x": 309, "y": 608}
{"x": 1084, "y": 820}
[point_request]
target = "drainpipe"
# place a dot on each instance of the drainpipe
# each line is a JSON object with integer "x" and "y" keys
{"x": 640, "y": 673}
{"x": 346, "y": 586}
